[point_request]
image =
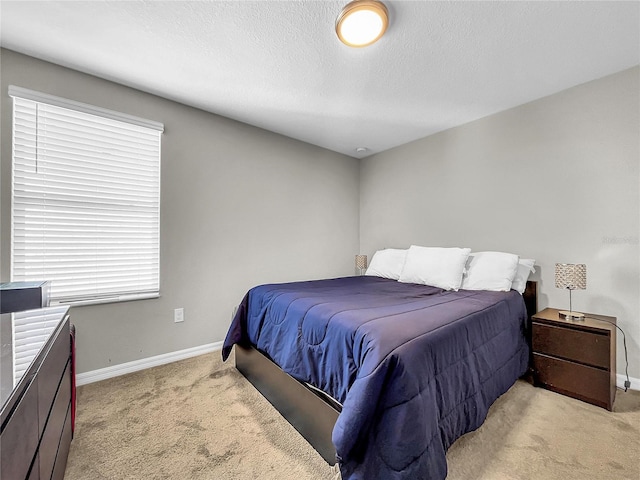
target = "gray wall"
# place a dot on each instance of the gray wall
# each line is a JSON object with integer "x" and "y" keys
{"x": 556, "y": 180}
{"x": 240, "y": 206}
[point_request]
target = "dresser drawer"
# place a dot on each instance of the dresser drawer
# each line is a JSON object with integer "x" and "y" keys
{"x": 50, "y": 372}
{"x": 583, "y": 347}
{"x": 573, "y": 379}
{"x": 19, "y": 437}
{"x": 35, "y": 411}
{"x": 51, "y": 436}
{"x": 63, "y": 450}
{"x": 35, "y": 472}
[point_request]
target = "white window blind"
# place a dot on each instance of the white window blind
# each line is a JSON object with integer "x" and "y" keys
{"x": 86, "y": 200}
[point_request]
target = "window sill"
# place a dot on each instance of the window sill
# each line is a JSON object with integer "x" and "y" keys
{"x": 103, "y": 300}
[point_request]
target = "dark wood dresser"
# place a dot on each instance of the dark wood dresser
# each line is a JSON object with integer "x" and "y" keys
{"x": 576, "y": 358}
{"x": 35, "y": 380}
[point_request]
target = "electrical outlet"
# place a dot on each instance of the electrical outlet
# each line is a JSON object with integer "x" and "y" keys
{"x": 178, "y": 315}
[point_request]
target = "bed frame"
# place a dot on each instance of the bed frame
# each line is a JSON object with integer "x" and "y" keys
{"x": 310, "y": 411}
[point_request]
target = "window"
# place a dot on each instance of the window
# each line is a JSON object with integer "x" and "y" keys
{"x": 85, "y": 200}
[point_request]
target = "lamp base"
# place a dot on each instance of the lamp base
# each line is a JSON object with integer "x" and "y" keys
{"x": 571, "y": 315}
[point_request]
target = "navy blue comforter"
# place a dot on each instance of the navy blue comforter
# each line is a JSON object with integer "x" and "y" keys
{"x": 414, "y": 366}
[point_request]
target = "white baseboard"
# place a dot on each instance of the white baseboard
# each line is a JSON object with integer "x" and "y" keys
{"x": 143, "y": 363}
{"x": 635, "y": 382}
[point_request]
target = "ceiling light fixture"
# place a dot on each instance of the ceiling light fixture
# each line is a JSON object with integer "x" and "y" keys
{"x": 362, "y": 22}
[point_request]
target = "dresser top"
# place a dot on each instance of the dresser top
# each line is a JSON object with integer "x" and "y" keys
{"x": 23, "y": 335}
{"x": 18, "y": 285}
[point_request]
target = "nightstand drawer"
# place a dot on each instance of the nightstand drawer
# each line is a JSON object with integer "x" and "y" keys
{"x": 583, "y": 347}
{"x": 574, "y": 380}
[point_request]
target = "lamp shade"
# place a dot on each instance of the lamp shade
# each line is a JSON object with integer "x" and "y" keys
{"x": 571, "y": 276}
{"x": 361, "y": 262}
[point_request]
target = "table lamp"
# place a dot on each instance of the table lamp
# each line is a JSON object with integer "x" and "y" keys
{"x": 571, "y": 276}
{"x": 361, "y": 263}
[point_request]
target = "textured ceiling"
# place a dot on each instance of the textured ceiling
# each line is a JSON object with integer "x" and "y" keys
{"x": 278, "y": 64}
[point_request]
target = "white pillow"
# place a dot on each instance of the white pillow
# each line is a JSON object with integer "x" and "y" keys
{"x": 493, "y": 271}
{"x": 436, "y": 266}
{"x": 525, "y": 267}
{"x": 387, "y": 263}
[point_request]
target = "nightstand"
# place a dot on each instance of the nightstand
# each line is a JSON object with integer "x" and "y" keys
{"x": 575, "y": 358}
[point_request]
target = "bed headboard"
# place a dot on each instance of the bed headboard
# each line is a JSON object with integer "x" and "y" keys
{"x": 530, "y": 296}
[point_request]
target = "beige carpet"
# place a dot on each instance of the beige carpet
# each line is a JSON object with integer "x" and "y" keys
{"x": 199, "y": 419}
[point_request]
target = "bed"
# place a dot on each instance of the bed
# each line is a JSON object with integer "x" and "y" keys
{"x": 378, "y": 375}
